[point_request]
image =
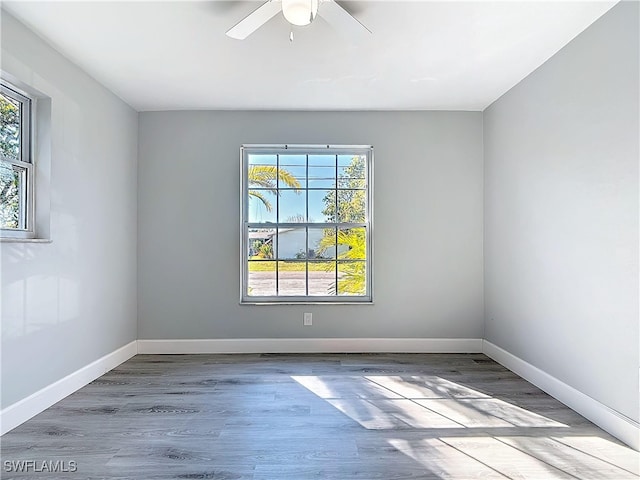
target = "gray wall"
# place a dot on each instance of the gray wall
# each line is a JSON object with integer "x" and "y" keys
{"x": 69, "y": 302}
{"x": 561, "y": 214}
{"x": 428, "y": 224}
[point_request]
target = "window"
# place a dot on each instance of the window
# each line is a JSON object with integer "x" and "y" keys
{"x": 306, "y": 224}
{"x": 16, "y": 168}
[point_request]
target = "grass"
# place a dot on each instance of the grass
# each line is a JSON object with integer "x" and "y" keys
{"x": 283, "y": 266}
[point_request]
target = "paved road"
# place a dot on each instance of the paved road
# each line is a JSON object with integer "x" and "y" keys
{"x": 290, "y": 283}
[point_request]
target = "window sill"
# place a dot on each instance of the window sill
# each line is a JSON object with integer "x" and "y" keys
{"x": 24, "y": 240}
{"x": 337, "y": 302}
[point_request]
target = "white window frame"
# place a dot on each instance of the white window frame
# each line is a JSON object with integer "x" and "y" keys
{"x": 26, "y": 226}
{"x": 245, "y": 225}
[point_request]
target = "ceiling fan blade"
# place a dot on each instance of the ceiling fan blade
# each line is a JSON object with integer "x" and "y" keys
{"x": 255, "y": 20}
{"x": 342, "y": 20}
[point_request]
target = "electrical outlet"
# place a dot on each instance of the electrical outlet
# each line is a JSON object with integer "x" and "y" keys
{"x": 308, "y": 319}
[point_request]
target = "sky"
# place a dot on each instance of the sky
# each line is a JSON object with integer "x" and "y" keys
{"x": 321, "y": 176}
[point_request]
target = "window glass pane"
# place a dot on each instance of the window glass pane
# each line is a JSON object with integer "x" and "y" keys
{"x": 292, "y": 243}
{"x": 352, "y": 278}
{"x": 322, "y": 161}
{"x": 260, "y": 243}
{"x": 12, "y": 188}
{"x": 293, "y": 206}
{"x": 319, "y": 246}
{"x": 262, "y": 205}
{"x": 262, "y": 184}
{"x": 10, "y": 120}
{"x": 261, "y": 279}
{"x": 322, "y": 171}
{"x": 345, "y": 160}
{"x": 351, "y": 171}
{"x": 322, "y": 177}
{"x": 352, "y": 244}
{"x": 351, "y": 205}
{"x": 322, "y": 206}
{"x": 322, "y": 278}
{"x": 262, "y": 160}
{"x": 293, "y": 171}
{"x": 323, "y": 241}
{"x": 292, "y": 279}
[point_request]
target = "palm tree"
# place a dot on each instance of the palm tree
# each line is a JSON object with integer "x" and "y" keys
{"x": 353, "y": 280}
{"x": 268, "y": 177}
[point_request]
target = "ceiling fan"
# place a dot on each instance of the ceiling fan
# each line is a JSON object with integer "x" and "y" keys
{"x": 299, "y": 13}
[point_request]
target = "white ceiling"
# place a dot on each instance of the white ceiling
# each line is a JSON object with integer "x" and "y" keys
{"x": 422, "y": 55}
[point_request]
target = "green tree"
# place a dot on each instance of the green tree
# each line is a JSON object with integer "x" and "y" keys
{"x": 9, "y": 128}
{"x": 348, "y": 204}
{"x": 9, "y": 197}
{"x": 267, "y": 177}
{"x": 353, "y": 276}
{"x": 266, "y": 251}
{"x": 9, "y": 148}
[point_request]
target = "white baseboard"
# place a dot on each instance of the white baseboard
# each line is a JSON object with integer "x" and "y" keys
{"x": 617, "y": 424}
{"x": 28, "y": 407}
{"x": 313, "y": 345}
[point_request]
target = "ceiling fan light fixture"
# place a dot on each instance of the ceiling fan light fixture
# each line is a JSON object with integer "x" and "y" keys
{"x": 299, "y": 12}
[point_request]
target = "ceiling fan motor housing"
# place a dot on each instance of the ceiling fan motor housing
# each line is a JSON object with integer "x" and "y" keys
{"x": 300, "y": 12}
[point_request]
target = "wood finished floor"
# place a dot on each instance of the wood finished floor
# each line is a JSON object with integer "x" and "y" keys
{"x": 303, "y": 417}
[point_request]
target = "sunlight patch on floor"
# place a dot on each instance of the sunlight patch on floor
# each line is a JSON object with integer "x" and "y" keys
{"x": 490, "y": 412}
{"x": 344, "y": 387}
{"x": 425, "y": 386}
{"x": 367, "y": 414}
{"x": 569, "y": 459}
{"x": 380, "y": 402}
{"x": 505, "y": 459}
{"x": 610, "y": 451}
{"x": 450, "y": 463}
